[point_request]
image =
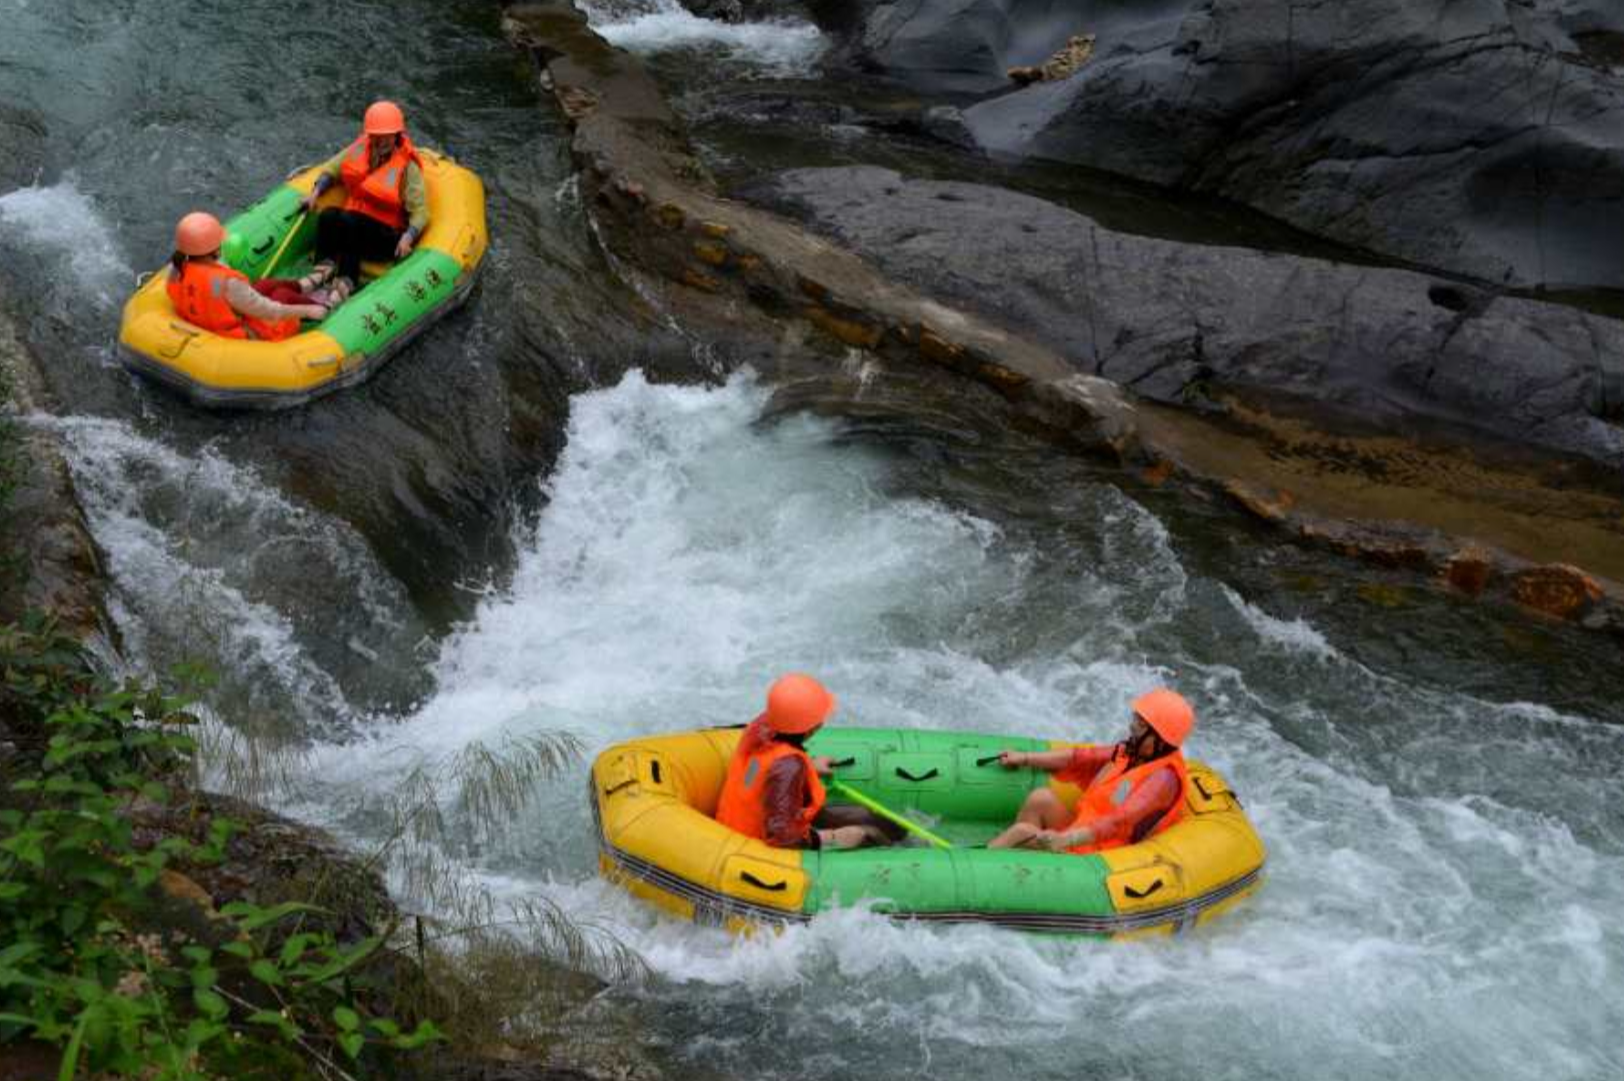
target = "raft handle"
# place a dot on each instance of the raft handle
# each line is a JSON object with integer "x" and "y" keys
{"x": 989, "y": 760}
{"x": 654, "y": 770}
{"x": 776, "y": 887}
{"x": 836, "y": 763}
{"x": 1140, "y": 895}
{"x": 927, "y": 775}
{"x": 612, "y": 789}
{"x": 270, "y": 242}
{"x": 1211, "y": 796}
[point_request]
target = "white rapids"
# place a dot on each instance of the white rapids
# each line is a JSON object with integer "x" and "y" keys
{"x": 1426, "y": 913}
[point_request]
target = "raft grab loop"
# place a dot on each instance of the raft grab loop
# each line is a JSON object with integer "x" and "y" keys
{"x": 771, "y": 887}
{"x": 1139, "y": 895}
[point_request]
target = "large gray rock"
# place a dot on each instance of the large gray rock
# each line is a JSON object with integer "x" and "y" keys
{"x": 1173, "y": 320}
{"x": 1484, "y": 137}
{"x": 22, "y": 147}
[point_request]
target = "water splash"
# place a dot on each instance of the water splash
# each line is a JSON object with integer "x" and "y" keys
{"x": 62, "y": 225}
{"x": 210, "y": 564}
{"x": 1421, "y": 915}
{"x": 778, "y": 47}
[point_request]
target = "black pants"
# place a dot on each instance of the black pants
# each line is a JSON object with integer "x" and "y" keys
{"x": 348, "y": 237}
{"x": 834, "y": 817}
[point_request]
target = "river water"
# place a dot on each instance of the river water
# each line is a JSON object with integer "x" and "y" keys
{"x": 551, "y": 516}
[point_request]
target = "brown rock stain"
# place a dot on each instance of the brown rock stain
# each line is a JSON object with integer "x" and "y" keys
{"x": 1270, "y": 504}
{"x": 1556, "y": 589}
{"x": 714, "y": 254}
{"x": 698, "y": 279}
{"x": 1470, "y": 570}
{"x": 850, "y": 331}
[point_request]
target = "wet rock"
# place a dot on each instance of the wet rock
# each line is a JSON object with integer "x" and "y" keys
{"x": 22, "y": 147}
{"x": 1269, "y": 504}
{"x": 1557, "y": 590}
{"x": 739, "y": 11}
{"x": 1174, "y": 321}
{"x": 1481, "y": 138}
{"x": 946, "y": 122}
{"x": 1062, "y": 65}
{"x": 728, "y": 11}
{"x": 48, "y": 559}
{"x": 1470, "y": 570}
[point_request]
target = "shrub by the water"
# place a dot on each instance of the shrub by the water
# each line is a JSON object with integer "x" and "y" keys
{"x": 92, "y": 959}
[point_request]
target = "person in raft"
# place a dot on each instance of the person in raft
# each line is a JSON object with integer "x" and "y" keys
{"x": 386, "y": 207}
{"x": 1131, "y": 791}
{"x": 773, "y": 792}
{"x": 211, "y": 295}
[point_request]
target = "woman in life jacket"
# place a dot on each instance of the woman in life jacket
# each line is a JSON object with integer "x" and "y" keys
{"x": 773, "y": 790}
{"x": 211, "y": 295}
{"x": 1131, "y": 791}
{"x": 386, "y": 207}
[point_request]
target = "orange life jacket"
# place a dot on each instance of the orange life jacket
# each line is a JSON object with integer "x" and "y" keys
{"x": 199, "y": 296}
{"x": 743, "y": 804}
{"x": 379, "y": 193}
{"x": 1112, "y": 786}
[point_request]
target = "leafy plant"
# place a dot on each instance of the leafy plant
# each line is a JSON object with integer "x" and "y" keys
{"x": 95, "y": 960}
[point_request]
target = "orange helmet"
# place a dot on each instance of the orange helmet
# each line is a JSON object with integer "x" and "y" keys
{"x": 797, "y": 704}
{"x": 383, "y": 118}
{"x": 199, "y": 233}
{"x": 1167, "y": 713}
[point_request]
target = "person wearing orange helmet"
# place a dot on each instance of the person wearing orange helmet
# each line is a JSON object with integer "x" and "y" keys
{"x": 1131, "y": 790}
{"x": 211, "y": 295}
{"x": 773, "y": 791}
{"x": 386, "y": 207}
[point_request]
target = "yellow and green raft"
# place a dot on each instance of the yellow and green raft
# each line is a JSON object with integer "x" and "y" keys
{"x": 653, "y": 799}
{"x": 400, "y": 300}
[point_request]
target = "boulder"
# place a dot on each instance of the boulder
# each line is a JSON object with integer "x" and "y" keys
{"x": 1481, "y": 137}
{"x": 1176, "y": 322}
{"x": 22, "y": 147}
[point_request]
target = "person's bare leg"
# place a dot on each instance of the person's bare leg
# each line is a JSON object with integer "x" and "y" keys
{"x": 1043, "y": 810}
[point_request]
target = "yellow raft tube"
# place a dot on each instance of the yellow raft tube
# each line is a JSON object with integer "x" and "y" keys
{"x": 399, "y": 301}
{"x": 653, "y": 799}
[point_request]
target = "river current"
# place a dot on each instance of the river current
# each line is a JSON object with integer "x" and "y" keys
{"x": 537, "y": 521}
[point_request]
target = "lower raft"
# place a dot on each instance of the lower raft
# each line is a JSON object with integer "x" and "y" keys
{"x": 653, "y": 799}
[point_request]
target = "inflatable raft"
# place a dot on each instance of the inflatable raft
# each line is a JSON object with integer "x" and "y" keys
{"x": 653, "y": 799}
{"x": 398, "y": 301}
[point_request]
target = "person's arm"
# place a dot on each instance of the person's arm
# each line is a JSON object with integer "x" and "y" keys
{"x": 325, "y": 179}
{"x": 1079, "y": 764}
{"x": 244, "y": 301}
{"x": 416, "y": 198}
{"x": 1127, "y": 823}
{"x": 784, "y": 795}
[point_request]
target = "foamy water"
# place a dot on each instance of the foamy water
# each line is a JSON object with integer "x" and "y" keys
{"x": 60, "y": 223}
{"x": 209, "y": 563}
{"x": 1427, "y": 912}
{"x": 780, "y": 47}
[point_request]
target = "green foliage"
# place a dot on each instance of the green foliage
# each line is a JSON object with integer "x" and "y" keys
{"x": 233, "y": 994}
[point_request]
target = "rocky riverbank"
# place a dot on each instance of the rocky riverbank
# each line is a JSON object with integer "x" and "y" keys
{"x": 1057, "y": 314}
{"x": 1478, "y": 137}
{"x": 52, "y": 563}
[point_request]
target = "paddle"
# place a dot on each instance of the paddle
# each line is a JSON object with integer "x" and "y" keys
{"x": 844, "y": 789}
{"x": 277, "y": 258}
